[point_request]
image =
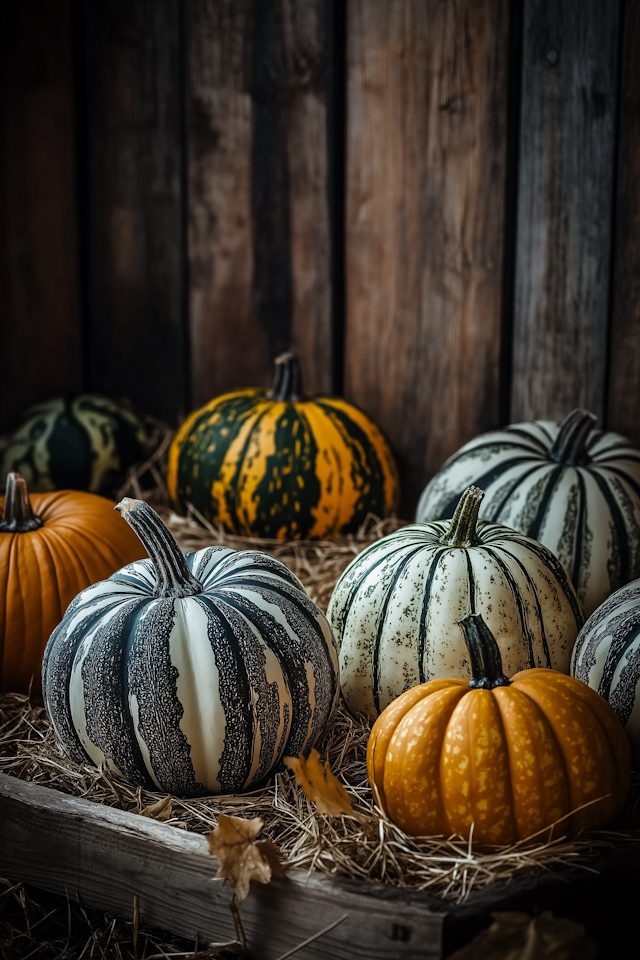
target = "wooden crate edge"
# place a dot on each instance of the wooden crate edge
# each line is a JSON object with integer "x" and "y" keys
{"x": 102, "y": 857}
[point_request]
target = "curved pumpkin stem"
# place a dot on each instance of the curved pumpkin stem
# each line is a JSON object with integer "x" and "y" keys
{"x": 287, "y": 382}
{"x": 172, "y": 571}
{"x": 484, "y": 653}
{"x": 462, "y": 531}
{"x": 18, "y": 512}
{"x": 570, "y": 446}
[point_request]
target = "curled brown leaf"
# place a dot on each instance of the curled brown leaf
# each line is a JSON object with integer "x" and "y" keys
{"x": 320, "y": 785}
{"x": 242, "y": 858}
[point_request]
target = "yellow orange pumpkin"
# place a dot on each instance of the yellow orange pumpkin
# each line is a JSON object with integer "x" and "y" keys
{"x": 52, "y": 546}
{"x": 498, "y": 759}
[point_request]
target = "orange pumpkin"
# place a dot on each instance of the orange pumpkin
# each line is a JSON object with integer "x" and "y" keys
{"x": 51, "y": 548}
{"x": 498, "y": 759}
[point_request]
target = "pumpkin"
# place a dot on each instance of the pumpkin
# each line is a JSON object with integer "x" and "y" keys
{"x": 607, "y": 657}
{"x": 190, "y": 674}
{"x": 495, "y": 759}
{"x": 51, "y": 547}
{"x": 395, "y": 608}
{"x": 82, "y": 444}
{"x": 277, "y": 464}
{"x": 573, "y": 488}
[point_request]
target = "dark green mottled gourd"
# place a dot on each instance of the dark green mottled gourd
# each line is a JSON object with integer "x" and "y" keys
{"x": 85, "y": 443}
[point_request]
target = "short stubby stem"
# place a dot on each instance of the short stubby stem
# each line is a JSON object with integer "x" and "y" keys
{"x": 173, "y": 574}
{"x": 570, "y": 446}
{"x": 462, "y": 530}
{"x": 287, "y": 382}
{"x": 18, "y": 512}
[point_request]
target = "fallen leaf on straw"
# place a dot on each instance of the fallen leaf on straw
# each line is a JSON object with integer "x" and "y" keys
{"x": 160, "y": 810}
{"x": 320, "y": 785}
{"x": 242, "y": 859}
{"x": 516, "y": 936}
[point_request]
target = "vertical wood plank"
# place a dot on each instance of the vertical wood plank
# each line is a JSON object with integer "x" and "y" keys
{"x": 135, "y": 230}
{"x": 41, "y": 347}
{"x": 565, "y": 197}
{"x": 624, "y": 361}
{"x": 426, "y": 149}
{"x": 259, "y": 242}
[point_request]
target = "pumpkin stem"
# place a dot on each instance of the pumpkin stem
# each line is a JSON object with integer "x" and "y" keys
{"x": 571, "y": 442}
{"x": 462, "y": 531}
{"x": 484, "y": 654}
{"x": 287, "y": 382}
{"x": 18, "y": 513}
{"x": 174, "y": 579}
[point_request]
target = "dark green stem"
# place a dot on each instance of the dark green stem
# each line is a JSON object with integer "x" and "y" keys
{"x": 174, "y": 579}
{"x": 484, "y": 653}
{"x": 570, "y": 446}
{"x": 287, "y": 382}
{"x": 462, "y": 530}
{"x": 18, "y": 513}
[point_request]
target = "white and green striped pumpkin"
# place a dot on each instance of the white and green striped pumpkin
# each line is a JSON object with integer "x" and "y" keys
{"x": 573, "y": 488}
{"x": 606, "y": 656}
{"x": 85, "y": 443}
{"x": 191, "y": 674}
{"x": 395, "y": 609}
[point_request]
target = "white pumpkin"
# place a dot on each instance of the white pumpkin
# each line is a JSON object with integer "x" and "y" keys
{"x": 575, "y": 489}
{"x": 607, "y": 657}
{"x": 191, "y": 674}
{"x": 395, "y": 609}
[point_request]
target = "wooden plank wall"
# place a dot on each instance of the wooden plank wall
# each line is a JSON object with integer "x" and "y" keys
{"x": 41, "y": 338}
{"x": 437, "y": 205}
{"x": 426, "y": 167}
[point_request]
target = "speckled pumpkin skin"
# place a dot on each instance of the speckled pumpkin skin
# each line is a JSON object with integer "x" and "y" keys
{"x": 444, "y": 758}
{"x": 287, "y": 470}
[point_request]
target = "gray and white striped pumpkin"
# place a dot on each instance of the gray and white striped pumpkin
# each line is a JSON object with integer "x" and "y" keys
{"x": 575, "y": 489}
{"x": 607, "y": 657}
{"x": 190, "y": 674}
{"x": 395, "y": 609}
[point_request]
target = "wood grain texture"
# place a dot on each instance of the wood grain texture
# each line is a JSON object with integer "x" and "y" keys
{"x": 259, "y": 244}
{"x": 39, "y": 308}
{"x": 103, "y": 857}
{"x": 135, "y": 278}
{"x": 565, "y": 196}
{"x": 624, "y": 355}
{"x": 426, "y": 148}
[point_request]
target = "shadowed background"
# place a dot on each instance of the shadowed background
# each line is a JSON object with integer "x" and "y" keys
{"x": 435, "y": 204}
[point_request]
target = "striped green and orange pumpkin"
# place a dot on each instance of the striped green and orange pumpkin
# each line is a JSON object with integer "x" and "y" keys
{"x": 278, "y": 464}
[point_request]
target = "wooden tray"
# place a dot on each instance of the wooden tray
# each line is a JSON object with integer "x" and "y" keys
{"x": 103, "y": 857}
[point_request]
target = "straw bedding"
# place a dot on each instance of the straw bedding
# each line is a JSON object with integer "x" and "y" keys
{"x": 365, "y": 848}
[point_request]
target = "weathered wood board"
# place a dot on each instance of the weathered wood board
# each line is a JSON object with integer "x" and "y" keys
{"x": 41, "y": 344}
{"x": 565, "y": 203}
{"x": 624, "y": 337}
{"x": 134, "y": 271}
{"x": 103, "y": 857}
{"x": 425, "y": 186}
{"x": 259, "y": 234}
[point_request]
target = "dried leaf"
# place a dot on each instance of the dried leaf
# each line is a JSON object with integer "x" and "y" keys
{"x": 320, "y": 785}
{"x": 242, "y": 859}
{"x": 160, "y": 810}
{"x": 516, "y": 936}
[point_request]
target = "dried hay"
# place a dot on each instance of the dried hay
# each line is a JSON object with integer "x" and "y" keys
{"x": 369, "y": 848}
{"x": 366, "y": 848}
